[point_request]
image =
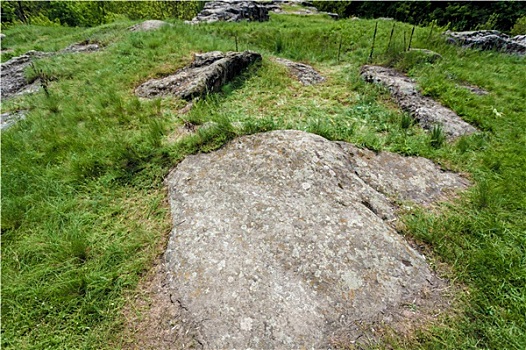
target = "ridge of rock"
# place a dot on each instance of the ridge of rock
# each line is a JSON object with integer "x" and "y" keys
{"x": 401, "y": 178}
{"x": 303, "y": 72}
{"x": 13, "y": 80}
{"x": 237, "y": 11}
{"x": 278, "y": 243}
{"x": 488, "y": 40}
{"x": 208, "y": 72}
{"x": 423, "y": 109}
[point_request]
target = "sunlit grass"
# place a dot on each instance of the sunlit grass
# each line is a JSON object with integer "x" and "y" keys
{"x": 83, "y": 203}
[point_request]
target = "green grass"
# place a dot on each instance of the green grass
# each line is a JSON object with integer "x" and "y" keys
{"x": 83, "y": 203}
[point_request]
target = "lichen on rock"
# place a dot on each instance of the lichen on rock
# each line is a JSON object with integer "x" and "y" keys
{"x": 278, "y": 241}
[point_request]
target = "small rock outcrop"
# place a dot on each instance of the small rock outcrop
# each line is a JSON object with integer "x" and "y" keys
{"x": 207, "y": 73}
{"x": 424, "y": 55}
{"x": 520, "y": 39}
{"x": 306, "y": 8}
{"x": 488, "y": 40}
{"x": 424, "y": 110}
{"x": 83, "y": 47}
{"x": 152, "y": 24}
{"x": 13, "y": 80}
{"x": 278, "y": 242}
{"x": 303, "y": 72}
{"x": 474, "y": 89}
{"x": 236, "y": 11}
{"x": 9, "y": 118}
{"x": 231, "y": 11}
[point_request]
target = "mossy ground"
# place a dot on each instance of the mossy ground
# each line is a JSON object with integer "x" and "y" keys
{"x": 83, "y": 202}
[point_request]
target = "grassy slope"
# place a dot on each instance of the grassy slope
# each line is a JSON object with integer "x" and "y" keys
{"x": 83, "y": 204}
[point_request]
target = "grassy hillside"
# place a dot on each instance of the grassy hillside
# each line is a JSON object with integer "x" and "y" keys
{"x": 83, "y": 204}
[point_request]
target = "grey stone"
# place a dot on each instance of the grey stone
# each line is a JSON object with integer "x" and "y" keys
{"x": 83, "y": 47}
{"x": 474, "y": 89}
{"x": 9, "y": 118}
{"x": 303, "y": 8}
{"x": 231, "y": 11}
{"x": 152, "y": 24}
{"x": 426, "y": 111}
{"x": 13, "y": 80}
{"x": 278, "y": 243}
{"x": 303, "y": 72}
{"x": 487, "y": 40}
{"x": 207, "y": 73}
{"x": 520, "y": 39}
{"x": 332, "y": 15}
{"x": 408, "y": 179}
{"x": 425, "y": 55}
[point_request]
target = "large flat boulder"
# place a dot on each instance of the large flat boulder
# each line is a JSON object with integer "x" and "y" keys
{"x": 426, "y": 111}
{"x": 208, "y": 73}
{"x": 279, "y": 243}
{"x": 488, "y": 40}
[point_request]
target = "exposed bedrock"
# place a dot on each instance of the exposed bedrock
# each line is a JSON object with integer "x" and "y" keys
{"x": 488, "y": 40}
{"x": 303, "y": 72}
{"x": 424, "y": 110}
{"x": 207, "y": 73}
{"x": 231, "y": 11}
{"x": 280, "y": 241}
{"x": 13, "y": 77}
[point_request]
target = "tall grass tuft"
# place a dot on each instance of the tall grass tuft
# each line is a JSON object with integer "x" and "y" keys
{"x": 437, "y": 136}
{"x": 406, "y": 121}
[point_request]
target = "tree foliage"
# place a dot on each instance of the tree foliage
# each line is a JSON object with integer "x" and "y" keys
{"x": 459, "y": 15}
{"x": 92, "y": 13}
